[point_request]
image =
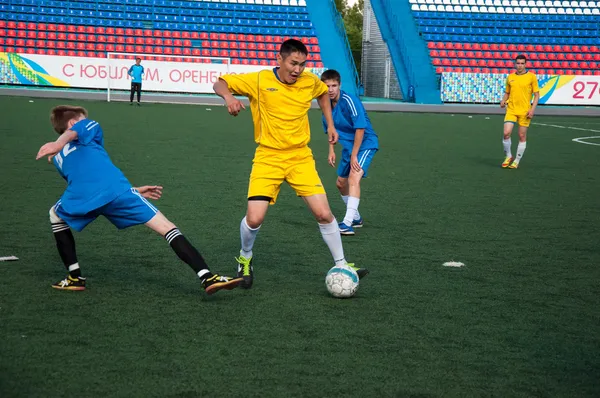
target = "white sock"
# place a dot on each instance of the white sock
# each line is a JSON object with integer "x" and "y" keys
{"x": 356, "y": 214}
{"x": 351, "y": 210}
{"x": 520, "y": 151}
{"x": 333, "y": 239}
{"x": 248, "y": 236}
{"x": 507, "y": 151}
{"x": 73, "y": 267}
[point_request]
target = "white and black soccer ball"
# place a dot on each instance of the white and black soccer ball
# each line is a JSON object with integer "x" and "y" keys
{"x": 341, "y": 281}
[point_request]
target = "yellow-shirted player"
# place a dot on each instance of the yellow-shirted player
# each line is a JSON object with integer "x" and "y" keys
{"x": 520, "y": 87}
{"x": 280, "y": 99}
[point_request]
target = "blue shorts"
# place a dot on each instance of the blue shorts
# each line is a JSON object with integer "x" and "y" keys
{"x": 128, "y": 209}
{"x": 365, "y": 157}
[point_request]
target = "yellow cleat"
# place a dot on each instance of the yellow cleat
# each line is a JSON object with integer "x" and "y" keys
{"x": 514, "y": 165}
{"x": 507, "y": 162}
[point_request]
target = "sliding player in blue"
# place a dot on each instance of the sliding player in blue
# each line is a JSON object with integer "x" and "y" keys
{"x": 97, "y": 187}
{"x": 359, "y": 145}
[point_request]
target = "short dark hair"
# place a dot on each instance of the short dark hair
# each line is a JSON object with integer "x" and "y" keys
{"x": 331, "y": 74}
{"x": 292, "y": 46}
{"x": 138, "y": 59}
{"x": 60, "y": 116}
{"x": 521, "y": 56}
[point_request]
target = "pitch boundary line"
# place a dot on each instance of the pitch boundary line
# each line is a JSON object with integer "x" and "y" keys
{"x": 579, "y": 140}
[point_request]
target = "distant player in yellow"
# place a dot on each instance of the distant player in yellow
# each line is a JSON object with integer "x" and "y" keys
{"x": 280, "y": 99}
{"x": 520, "y": 87}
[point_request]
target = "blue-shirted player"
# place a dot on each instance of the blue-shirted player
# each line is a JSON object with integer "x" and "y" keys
{"x": 136, "y": 71}
{"x": 97, "y": 187}
{"x": 359, "y": 145}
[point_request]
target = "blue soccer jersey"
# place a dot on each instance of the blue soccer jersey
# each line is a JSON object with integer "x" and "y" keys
{"x": 349, "y": 115}
{"x": 136, "y": 72}
{"x": 93, "y": 180}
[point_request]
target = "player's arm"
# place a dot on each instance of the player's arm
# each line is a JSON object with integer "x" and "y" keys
{"x": 52, "y": 148}
{"x": 130, "y": 71}
{"x": 150, "y": 191}
{"x": 325, "y": 105}
{"x": 331, "y": 156}
{"x": 244, "y": 84}
{"x": 536, "y": 97}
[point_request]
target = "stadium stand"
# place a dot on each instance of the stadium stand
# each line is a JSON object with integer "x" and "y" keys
{"x": 247, "y": 31}
{"x": 484, "y": 36}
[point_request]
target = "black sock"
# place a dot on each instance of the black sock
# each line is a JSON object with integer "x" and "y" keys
{"x": 188, "y": 253}
{"x": 65, "y": 243}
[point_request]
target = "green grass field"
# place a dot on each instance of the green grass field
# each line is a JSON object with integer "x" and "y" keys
{"x": 522, "y": 318}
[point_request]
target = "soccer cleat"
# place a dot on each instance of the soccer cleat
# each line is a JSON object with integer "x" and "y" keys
{"x": 245, "y": 271}
{"x": 139, "y": 104}
{"x": 514, "y": 165}
{"x": 218, "y": 282}
{"x": 507, "y": 162}
{"x": 70, "y": 283}
{"x": 345, "y": 229}
{"x": 357, "y": 223}
{"x": 361, "y": 272}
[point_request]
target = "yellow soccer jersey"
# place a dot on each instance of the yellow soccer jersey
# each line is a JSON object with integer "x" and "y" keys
{"x": 520, "y": 89}
{"x": 279, "y": 110}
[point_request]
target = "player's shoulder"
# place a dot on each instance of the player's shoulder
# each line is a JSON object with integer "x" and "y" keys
{"x": 87, "y": 124}
{"x": 350, "y": 101}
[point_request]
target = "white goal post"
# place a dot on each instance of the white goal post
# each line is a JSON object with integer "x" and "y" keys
{"x": 165, "y": 73}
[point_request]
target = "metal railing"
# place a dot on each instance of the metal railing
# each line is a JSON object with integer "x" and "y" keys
{"x": 341, "y": 28}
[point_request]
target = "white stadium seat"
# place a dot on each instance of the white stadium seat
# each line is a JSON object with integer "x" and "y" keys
{"x": 587, "y": 11}
{"x": 578, "y": 11}
{"x": 449, "y": 8}
{"x": 492, "y": 9}
{"x": 595, "y": 11}
{"x": 414, "y": 7}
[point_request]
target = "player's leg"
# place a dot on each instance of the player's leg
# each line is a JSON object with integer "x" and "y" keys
{"x": 352, "y": 219}
{"x": 305, "y": 180}
{"x": 328, "y": 226}
{"x": 65, "y": 243}
{"x": 352, "y": 216}
{"x": 509, "y": 123}
{"x": 139, "y": 92}
{"x": 265, "y": 182}
{"x": 523, "y": 127}
{"x": 131, "y": 94}
{"x": 131, "y": 208}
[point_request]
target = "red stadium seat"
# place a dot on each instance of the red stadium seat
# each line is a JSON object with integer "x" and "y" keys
{"x": 196, "y": 52}
{"x": 177, "y": 51}
{"x": 100, "y": 47}
{"x": 90, "y": 47}
{"x": 51, "y": 44}
{"x": 224, "y": 44}
{"x": 585, "y": 49}
{"x": 176, "y": 34}
{"x": 205, "y": 52}
{"x": 214, "y": 52}
{"x": 21, "y": 25}
{"x": 168, "y": 50}
{"x": 71, "y": 28}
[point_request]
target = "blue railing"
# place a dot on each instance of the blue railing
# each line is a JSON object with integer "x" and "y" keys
{"x": 341, "y": 28}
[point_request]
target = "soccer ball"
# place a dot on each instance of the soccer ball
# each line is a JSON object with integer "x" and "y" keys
{"x": 341, "y": 281}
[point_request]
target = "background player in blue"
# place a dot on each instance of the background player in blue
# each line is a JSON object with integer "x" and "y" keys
{"x": 359, "y": 144}
{"x": 136, "y": 71}
{"x": 97, "y": 187}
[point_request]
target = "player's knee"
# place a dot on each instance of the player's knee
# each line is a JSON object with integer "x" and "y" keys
{"x": 323, "y": 216}
{"x": 341, "y": 183}
{"x": 54, "y": 218}
{"x": 355, "y": 177}
{"x": 254, "y": 220}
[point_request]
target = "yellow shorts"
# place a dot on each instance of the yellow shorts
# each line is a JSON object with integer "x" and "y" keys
{"x": 272, "y": 167}
{"x": 522, "y": 119}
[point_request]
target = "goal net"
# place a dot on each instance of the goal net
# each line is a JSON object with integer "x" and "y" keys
{"x": 169, "y": 74}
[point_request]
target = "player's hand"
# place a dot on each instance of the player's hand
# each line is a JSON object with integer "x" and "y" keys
{"x": 530, "y": 114}
{"x": 50, "y": 149}
{"x": 331, "y": 159}
{"x": 234, "y": 106}
{"x": 333, "y": 135}
{"x": 502, "y": 104}
{"x": 150, "y": 191}
{"x": 354, "y": 165}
